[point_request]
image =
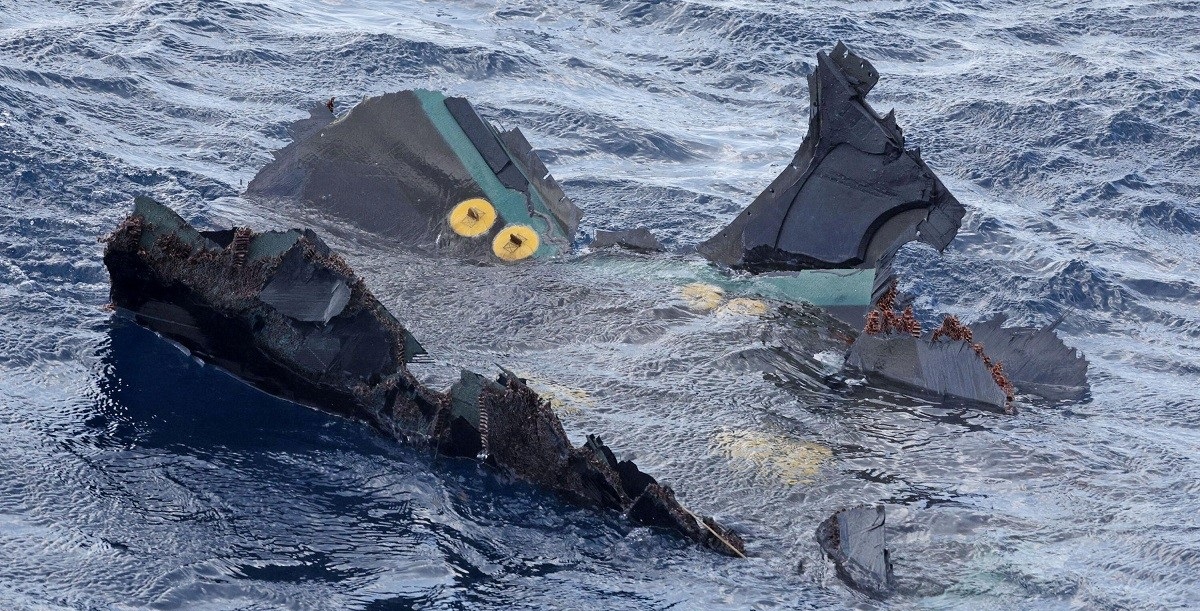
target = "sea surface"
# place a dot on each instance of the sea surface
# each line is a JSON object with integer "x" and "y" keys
{"x": 133, "y": 476}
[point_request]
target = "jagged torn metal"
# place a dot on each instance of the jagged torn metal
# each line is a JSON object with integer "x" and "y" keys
{"x": 853, "y": 193}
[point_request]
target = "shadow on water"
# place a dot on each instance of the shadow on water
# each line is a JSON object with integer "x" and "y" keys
{"x": 161, "y": 397}
{"x": 155, "y": 399}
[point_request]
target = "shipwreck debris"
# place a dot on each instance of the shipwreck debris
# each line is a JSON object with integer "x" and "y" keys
{"x": 286, "y": 314}
{"x": 853, "y": 193}
{"x": 971, "y": 362}
{"x": 855, "y": 540}
{"x": 892, "y": 347}
{"x": 941, "y": 369}
{"x": 426, "y": 171}
{"x": 1035, "y": 360}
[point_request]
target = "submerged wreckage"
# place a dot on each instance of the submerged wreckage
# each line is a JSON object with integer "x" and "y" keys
{"x": 283, "y": 312}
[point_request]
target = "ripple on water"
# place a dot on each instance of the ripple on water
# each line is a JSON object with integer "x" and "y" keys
{"x": 130, "y": 475}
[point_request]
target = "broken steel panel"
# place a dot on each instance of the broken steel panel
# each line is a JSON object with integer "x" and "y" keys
{"x": 856, "y": 541}
{"x": 851, "y": 195}
{"x": 941, "y": 369}
{"x": 1036, "y": 360}
{"x": 398, "y": 164}
{"x": 984, "y": 362}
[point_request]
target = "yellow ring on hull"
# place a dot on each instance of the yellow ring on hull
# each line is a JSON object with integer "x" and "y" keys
{"x": 473, "y": 217}
{"x": 515, "y": 242}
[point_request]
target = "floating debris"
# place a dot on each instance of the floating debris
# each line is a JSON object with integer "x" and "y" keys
{"x": 283, "y": 312}
{"x": 402, "y": 165}
{"x": 855, "y": 540}
{"x": 288, "y": 315}
{"x": 852, "y": 195}
{"x": 954, "y": 362}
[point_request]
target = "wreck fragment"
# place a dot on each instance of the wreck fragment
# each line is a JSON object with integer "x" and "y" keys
{"x": 286, "y": 314}
{"x": 855, "y": 540}
{"x": 423, "y": 169}
{"x": 941, "y": 369}
{"x": 946, "y": 364}
{"x": 429, "y": 172}
{"x": 852, "y": 194}
{"x": 984, "y": 362}
{"x": 1035, "y": 360}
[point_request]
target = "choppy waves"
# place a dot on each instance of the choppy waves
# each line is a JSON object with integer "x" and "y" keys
{"x": 133, "y": 476}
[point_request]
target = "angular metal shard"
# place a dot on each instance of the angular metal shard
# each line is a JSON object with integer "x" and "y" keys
{"x": 1036, "y": 360}
{"x": 984, "y": 362}
{"x": 851, "y": 195}
{"x": 937, "y": 369}
{"x": 855, "y": 540}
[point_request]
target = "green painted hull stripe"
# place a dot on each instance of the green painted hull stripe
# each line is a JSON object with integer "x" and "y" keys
{"x": 824, "y": 288}
{"x": 508, "y": 202}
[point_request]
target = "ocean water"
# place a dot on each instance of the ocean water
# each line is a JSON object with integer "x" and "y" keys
{"x": 132, "y": 476}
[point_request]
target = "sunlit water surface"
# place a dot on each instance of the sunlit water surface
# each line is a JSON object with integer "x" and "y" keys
{"x": 132, "y": 476}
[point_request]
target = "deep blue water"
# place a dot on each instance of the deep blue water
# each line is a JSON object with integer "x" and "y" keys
{"x": 132, "y": 476}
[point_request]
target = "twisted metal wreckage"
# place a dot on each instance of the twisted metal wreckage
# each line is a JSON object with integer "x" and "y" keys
{"x": 283, "y": 312}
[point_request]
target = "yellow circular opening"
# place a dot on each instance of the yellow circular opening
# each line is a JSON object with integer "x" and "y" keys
{"x": 473, "y": 217}
{"x": 515, "y": 242}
